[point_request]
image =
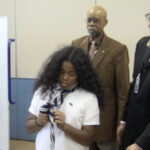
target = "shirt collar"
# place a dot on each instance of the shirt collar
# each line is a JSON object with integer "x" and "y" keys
{"x": 97, "y": 40}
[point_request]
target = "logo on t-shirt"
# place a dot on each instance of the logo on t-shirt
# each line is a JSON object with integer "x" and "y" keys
{"x": 70, "y": 104}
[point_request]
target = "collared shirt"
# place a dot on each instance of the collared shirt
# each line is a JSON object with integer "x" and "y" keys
{"x": 98, "y": 41}
{"x": 80, "y": 109}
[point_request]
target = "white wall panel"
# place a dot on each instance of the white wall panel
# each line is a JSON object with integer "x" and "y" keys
{"x": 7, "y": 8}
{"x": 4, "y": 104}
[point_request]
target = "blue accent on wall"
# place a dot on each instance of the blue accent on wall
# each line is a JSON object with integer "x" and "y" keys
{"x": 22, "y": 92}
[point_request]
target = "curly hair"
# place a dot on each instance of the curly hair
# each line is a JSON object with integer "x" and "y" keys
{"x": 86, "y": 76}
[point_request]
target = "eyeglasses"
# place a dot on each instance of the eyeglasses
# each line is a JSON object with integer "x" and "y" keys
{"x": 94, "y": 20}
{"x": 147, "y": 16}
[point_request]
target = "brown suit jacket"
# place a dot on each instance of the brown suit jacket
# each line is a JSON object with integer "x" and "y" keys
{"x": 111, "y": 65}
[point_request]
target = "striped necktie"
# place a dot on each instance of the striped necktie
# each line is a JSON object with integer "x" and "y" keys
{"x": 92, "y": 50}
{"x": 48, "y": 108}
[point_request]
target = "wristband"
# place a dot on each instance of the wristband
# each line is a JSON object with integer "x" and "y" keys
{"x": 122, "y": 122}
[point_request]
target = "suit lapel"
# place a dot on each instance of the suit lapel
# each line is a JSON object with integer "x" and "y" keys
{"x": 84, "y": 44}
{"x": 102, "y": 52}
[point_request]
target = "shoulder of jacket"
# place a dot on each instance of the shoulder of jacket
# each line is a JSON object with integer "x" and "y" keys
{"x": 79, "y": 40}
{"x": 115, "y": 42}
{"x": 144, "y": 39}
{"x": 116, "y": 46}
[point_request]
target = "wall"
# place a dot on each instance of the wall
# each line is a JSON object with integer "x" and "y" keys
{"x": 45, "y": 25}
{"x": 7, "y": 8}
{"x": 41, "y": 27}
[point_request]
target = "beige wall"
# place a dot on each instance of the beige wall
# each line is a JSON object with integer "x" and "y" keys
{"x": 7, "y": 8}
{"x": 42, "y": 26}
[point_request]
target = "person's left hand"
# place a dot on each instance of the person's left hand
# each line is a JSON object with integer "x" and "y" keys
{"x": 59, "y": 118}
{"x": 120, "y": 132}
{"x": 133, "y": 147}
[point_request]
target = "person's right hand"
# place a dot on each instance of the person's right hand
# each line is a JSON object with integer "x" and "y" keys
{"x": 42, "y": 119}
{"x": 120, "y": 131}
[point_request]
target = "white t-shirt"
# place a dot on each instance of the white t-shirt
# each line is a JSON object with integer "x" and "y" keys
{"x": 80, "y": 108}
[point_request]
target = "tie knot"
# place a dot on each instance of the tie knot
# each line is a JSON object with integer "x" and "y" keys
{"x": 69, "y": 91}
{"x": 93, "y": 43}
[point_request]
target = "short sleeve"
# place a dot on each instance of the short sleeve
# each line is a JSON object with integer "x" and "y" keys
{"x": 92, "y": 112}
{"x": 34, "y": 103}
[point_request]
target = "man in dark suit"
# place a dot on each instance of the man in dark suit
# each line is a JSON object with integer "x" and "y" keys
{"x": 134, "y": 130}
{"x": 110, "y": 61}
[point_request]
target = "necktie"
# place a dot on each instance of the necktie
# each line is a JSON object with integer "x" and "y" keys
{"x": 48, "y": 107}
{"x": 93, "y": 50}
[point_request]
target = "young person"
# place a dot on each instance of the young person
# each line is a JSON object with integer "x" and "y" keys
{"x": 65, "y": 107}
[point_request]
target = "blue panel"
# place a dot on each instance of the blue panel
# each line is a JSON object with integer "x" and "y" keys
{"x": 13, "y": 112}
{"x": 25, "y": 93}
{"x": 23, "y": 134}
{"x": 22, "y": 90}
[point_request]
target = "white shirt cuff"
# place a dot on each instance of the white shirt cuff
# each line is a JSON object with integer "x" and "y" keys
{"x": 122, "y": 122}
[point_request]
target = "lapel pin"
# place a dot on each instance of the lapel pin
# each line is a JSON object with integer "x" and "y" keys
{"x": 71, "y": 104}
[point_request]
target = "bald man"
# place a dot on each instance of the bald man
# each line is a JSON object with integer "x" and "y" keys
{"x": 110, "y": 61}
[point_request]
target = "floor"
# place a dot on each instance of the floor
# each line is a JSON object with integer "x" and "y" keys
{"x": 21, "y": 145}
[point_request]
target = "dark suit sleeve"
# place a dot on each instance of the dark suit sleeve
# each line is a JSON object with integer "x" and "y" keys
{"x": 144, "y": 140}
{"x": 125, "y": 113}
{"x": 137, "y": 64}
